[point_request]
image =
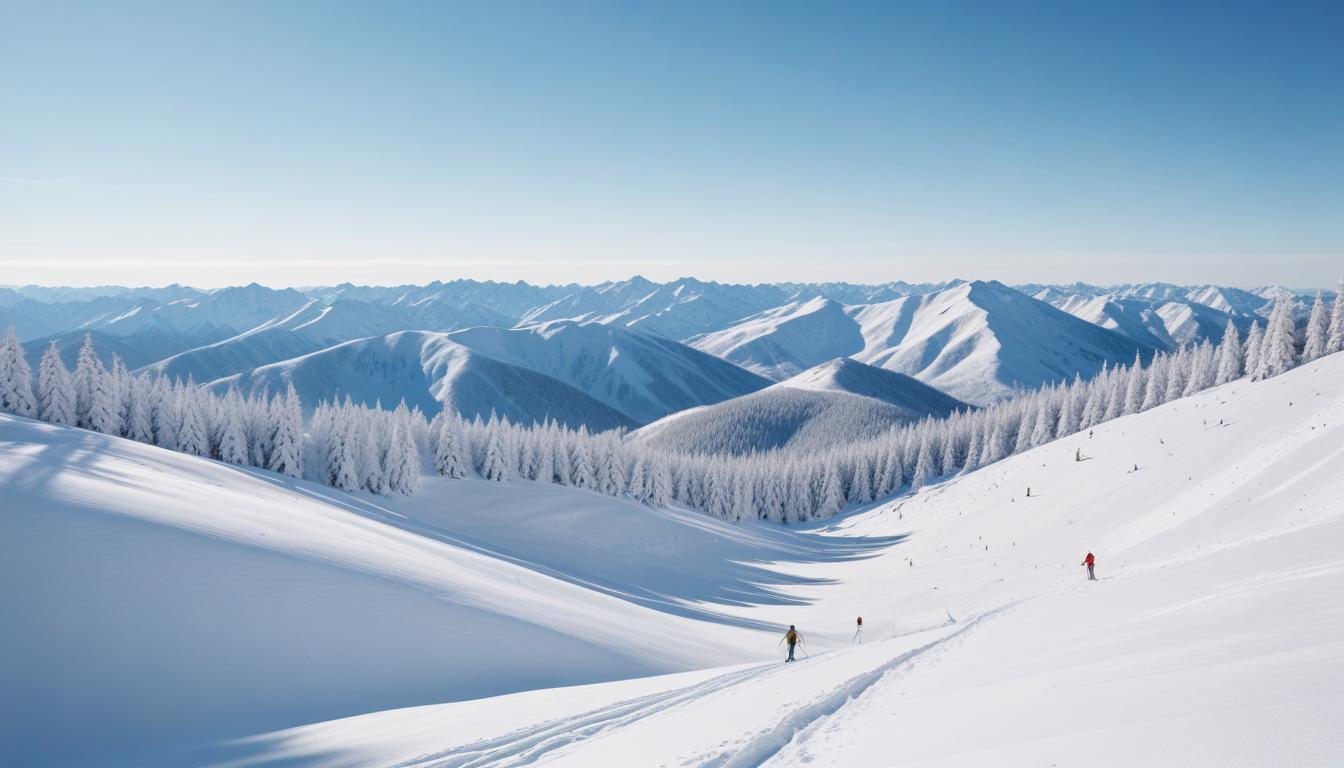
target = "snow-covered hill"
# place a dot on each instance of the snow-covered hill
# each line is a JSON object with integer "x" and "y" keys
{"x": 429, "y": 371}
{"x": 642, "y": 375}
{"x": 1205, "y": 642}
{"x": 977, "y": 341}
{"x": 312, "y": 327}
{"x": 143, "y": 578}
{"x": 832, "y": 404}
{"x": 787, "y": 339}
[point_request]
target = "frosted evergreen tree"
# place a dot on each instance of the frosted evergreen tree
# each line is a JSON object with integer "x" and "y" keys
{"x": 121, "y": 386}
{"x": 1177, "y": 374}
{"x": 104, "y": 413}
{"x": 55, "y": 389}
{"x": 830, "y": 496}
{"x": 996, "y": 445}
{"x": 374, "y": 450}
{"x": 861, "y": 486}
{"x": 165, "y": 413}
{"x": 139, "y": 416}
{"x": 581, "y": 462}
{"x": 1135, "y": 383}
{"x": 1156, "y": 386}
{"x": 88, "y": 371}
{"x": 924, "y": 471}
{"x": 495, "y": 468}
{"x": 1317, "y": 331}
{"x": 341, "y": 459}
{"x": 741, "y": 508}
{"x": 660, "y": 484}
{"x": 1255, "y": 342}
{"x": 403, "y": 459}
{"x": 232, "y": 443}
{"x": 1044, "y": 429}
{"x": 448, "y": 458}
{"x": 191, "y": 432}
{"x": 545, "y": 469}
{"x": 638, "y": 474}
{"x": 1277, "y": 353}
{"x": 286, "y": 454}
{"x": 1229, "y": 355}
{"x": 16, "y": 379}
{"x": 1335, "y": 339}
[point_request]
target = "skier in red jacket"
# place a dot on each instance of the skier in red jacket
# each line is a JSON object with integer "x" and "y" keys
{"x": 1091, "y": 563}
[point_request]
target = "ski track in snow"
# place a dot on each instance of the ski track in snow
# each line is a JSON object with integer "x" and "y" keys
{"x": 527, "y": 745}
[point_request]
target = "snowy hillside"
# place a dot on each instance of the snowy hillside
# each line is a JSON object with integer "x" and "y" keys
{"x": 1216, "y": 519}
{"x": 785, "y": 340}
{"x": 312, "y": 327}
{"x": 429, "y": 370}
{"x": 977, "y": 341}
{"x": 835, "y": 403}
{"x": 1203, "y": 643}
{"x": 641, "y": 375}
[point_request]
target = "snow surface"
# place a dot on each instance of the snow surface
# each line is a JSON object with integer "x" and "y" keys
{"x": 835, "y": 403}
{"x": 429, "y": 370}
{"x": 1212, "y": 637}
{"x": 174, "y": 610}
{"x": 978, "y": 341}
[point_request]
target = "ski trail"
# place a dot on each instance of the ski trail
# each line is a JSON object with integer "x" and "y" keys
{"x": 526, "y": 745}
{"x": 771, "y": 742}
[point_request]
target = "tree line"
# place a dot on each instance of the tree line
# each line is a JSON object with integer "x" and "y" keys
{"x": 385, "y": 451}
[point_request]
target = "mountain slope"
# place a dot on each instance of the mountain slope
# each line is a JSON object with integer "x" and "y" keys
{"x": 429, "y": 371}
{"x": 1211, "y": 638}
{"x": 641, "y": 375}
{"x": 785, "y": 340}
{"x": 832, "y": 404}
{"x": 157, "y": 600}
{"x": 312, "y": 327}
{"x": 976, "y": 341}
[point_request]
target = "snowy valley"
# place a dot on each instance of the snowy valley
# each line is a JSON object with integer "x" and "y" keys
{"x": 315, "y": 562}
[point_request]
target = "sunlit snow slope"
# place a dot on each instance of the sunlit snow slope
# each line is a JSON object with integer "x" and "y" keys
{"x": 1213, "y": 637}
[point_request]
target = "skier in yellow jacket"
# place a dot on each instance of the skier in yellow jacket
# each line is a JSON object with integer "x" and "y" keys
{"x": 792, "y": 638}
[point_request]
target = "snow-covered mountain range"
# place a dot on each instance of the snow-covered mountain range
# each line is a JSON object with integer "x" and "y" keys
{"x": 976, "y": 341}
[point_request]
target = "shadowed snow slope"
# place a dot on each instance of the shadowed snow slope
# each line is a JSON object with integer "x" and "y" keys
{"x": 641, "y": 375}
{"x": 834, "y": 403}
{"x": 976, "y": 341}
{"x": 1212, "y": 638}
{"x": 429, "y": 370}
{"x": 155, "y": 601}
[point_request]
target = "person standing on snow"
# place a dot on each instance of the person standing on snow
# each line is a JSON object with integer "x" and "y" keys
{"x": 858, "y": 633}
{"x": 1091, "y": 563}
{"x": 792, "y": 638}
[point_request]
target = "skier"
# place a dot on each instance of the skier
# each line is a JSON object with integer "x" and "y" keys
{"x": 858, "y": 633}
{"x": 792, "y": 638}
{"x": 1090, "y": 561}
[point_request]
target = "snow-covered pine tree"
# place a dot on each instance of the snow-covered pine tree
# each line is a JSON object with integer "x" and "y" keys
{"x": 55, "y": 389}
{"x": 105, "y": 403}
{"x": 448, "y": 458}
{"x": 165, "y": 414}
{"x": 342, "y": 460}
{"x": 1255, "y": 342}
{"x": 191, "y": 431}
{"x": 88, "y": 371}
{"x": 830, "y": 496}
{"x": 232, "y": 441}
{"x": 924, "y": 470}
{"x": 403, "y": 458}
{"x": 1177, "y": 374}
{"x": 286, "y": 453}
{"x": 1229, "y": 355}
{"x": 139, "y": 416}
{"x": 494, "y": 467}
{"x": 1335, "y": 339}
{"x": 1135, "y": 383}
{"x": 16, "y": 378}
{"x": 1156, "y": 386}
{"x": 1317, "y": 331}
{"x": 1043, "y": 431}
{"x": 1277, "y": 353}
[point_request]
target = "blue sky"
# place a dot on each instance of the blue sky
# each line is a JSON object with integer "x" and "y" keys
{"x": 297, "y": 142}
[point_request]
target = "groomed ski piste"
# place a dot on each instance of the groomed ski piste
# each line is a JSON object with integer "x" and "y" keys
{"x": 162, "y": 609}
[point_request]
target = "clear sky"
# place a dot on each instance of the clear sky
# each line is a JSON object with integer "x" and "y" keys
{"x": 215, "y": 143}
